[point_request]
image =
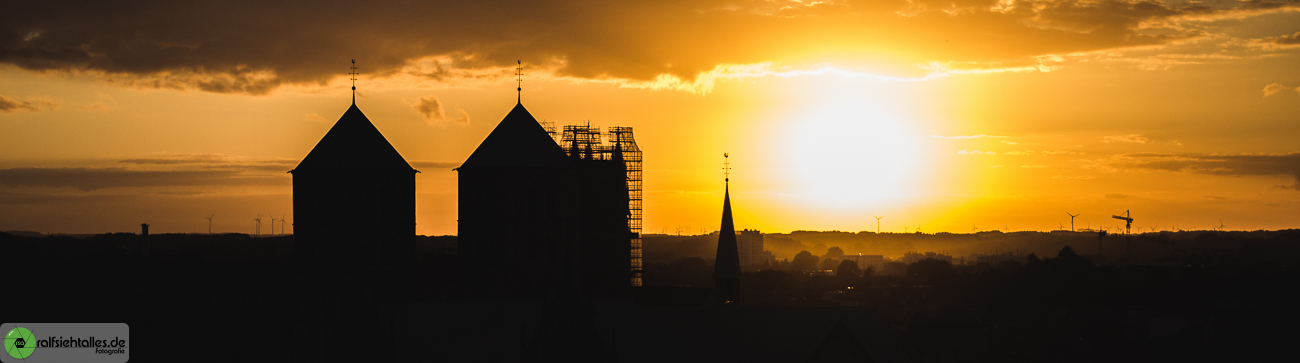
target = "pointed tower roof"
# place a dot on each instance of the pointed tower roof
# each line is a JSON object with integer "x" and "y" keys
{"x": 727, "y": 264}
{"x": 353, "y": 143}
{"x": 519, "y": 141}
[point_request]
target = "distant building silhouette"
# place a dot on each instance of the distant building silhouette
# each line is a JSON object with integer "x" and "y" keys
{"x": 726, "y": 268}
{"x": 527, "y": 208}
{"x": 877, "y": 262}
{"x": 749, "y": 244}
{"x": 354, "y": 209}
{"x": 994, "y": 259}
{"x": 913, "y": 257}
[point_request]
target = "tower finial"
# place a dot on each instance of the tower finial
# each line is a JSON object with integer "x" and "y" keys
{"x": 726, "y": 167}
{"x": 519, "y": 79}
{"x": 354, "y": 81}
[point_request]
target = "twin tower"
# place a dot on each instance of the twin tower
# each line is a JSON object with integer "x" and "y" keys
{"x": 533, "y": 215}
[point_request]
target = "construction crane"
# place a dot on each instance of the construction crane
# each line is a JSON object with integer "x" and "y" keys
{"x": 1128, "y": 224}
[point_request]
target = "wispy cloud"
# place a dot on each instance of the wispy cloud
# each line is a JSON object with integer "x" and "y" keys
{"x": 705, "y": 82}
{"x": 208, "y": 159}
{"x": 432, "y": 109}
{"x": 89, "y": 179}
{"x": 314, "y": 117}
{"x": 1213, "y": 164}
{"x": 1134, "y": 138}
{"x": 434, "y": 164}
{"x": 1281, "y": 41}
{"x": 1276, "y": 88}
{"x": 963, "y": 137}
{"x": 8, "y": 104}
{"x": 1043, "y": 152}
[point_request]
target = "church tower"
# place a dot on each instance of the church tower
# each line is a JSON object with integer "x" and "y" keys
{"x": 354, "y": 231}
{"x": 726, "y": 267}
{"x": 514, "y": 200}
{"x": 530, "y": 212}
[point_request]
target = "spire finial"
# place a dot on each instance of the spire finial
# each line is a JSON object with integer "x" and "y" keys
{"x": 726, "y": 167}
{"x": 519, "y": 79}
{"x": 354, "y": 81}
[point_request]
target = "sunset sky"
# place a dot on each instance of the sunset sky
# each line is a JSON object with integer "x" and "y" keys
{"x": 948, "y": 115}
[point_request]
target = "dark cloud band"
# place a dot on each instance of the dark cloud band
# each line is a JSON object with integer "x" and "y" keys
{"x": 1242, "y": 164}
{"x": 88, "y": 179}
{"x": 254, "y": 47}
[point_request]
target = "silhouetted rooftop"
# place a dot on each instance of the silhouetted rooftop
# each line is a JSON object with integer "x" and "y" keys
{"x": 518, "y": 141}
{"x": 353, "y": 143}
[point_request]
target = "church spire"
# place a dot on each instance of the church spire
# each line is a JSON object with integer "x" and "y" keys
{"x": 726, "y": 267}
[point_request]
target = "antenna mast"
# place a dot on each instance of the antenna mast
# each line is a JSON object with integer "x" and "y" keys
{"x": 354, "y": 81}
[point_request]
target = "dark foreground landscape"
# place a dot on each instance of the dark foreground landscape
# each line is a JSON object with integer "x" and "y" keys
{"x": 1179, "y": 296}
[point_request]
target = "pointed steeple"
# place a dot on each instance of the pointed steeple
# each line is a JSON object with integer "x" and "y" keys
{"x": 726, "y": 267}
{"x": 519, "y": 141}
{"x": 354, "y": 143}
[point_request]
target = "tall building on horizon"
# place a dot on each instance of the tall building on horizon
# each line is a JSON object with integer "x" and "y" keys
{"x": 749, "y": 244}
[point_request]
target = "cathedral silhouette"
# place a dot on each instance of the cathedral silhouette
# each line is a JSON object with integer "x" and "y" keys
{"x": 547, "y": 262}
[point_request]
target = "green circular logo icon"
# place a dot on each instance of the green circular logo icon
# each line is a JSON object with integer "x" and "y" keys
{"x": 20, "y": 343}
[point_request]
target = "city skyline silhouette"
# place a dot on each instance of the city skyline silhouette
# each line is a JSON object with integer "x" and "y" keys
{"x": 914, "y": 182}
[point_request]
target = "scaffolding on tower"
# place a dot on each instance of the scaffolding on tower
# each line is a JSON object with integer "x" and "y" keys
{"x": 585, "y": 142}
{"x": 621, "y": 138}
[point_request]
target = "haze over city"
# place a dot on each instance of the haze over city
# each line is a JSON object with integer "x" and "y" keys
{"x": 948, "y": 115}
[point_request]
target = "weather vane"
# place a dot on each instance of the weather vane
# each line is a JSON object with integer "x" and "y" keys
{"x": 354, "y": 81}
{"x": 519, "y": 79}
{"x": 726, "y": 166}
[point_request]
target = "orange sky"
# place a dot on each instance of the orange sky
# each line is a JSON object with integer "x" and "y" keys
{"x": 948, "y": 115}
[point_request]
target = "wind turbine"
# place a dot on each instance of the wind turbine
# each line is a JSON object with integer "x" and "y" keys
{"x": 1220, "y": 227}
{"x": 258, "y": 229}
{"x": 1060, "y": 226}
{"x": 878, "y": 223}
{"x": 905, "y": 229}
{"x": 210, "y": 223}
{"x": 972, "y": 228}
{"x": 283, "y": 222}
{"x": 1072, "y": 219}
